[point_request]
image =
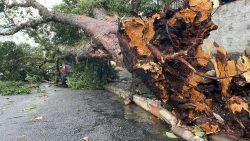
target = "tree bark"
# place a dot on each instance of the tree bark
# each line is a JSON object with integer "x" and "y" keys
{"x": 87, "y": 50}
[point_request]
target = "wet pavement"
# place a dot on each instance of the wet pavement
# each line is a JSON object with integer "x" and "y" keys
{"x": 61, "y": 114}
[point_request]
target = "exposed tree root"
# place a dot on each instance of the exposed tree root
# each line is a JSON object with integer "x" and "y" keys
{"x": 164, "y": 50}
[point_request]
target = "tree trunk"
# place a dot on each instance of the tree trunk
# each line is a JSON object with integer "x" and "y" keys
{"x": 87, "y": 50}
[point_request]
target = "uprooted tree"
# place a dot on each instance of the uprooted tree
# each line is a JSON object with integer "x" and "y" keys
{"x": 164, "y": 50}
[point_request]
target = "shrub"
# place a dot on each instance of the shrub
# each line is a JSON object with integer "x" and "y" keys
{"x": 91, "y": 74}
{"x": 10, "y": 64}
{"x": 32, "y": 79}
{"x": 14, "y": 87}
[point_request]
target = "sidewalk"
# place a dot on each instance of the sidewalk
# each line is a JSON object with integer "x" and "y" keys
{"x": 123, "y": 87}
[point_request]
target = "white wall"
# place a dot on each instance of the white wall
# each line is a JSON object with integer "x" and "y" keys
{"x": 216, "y": 3}
{"x": 233, "y": 20}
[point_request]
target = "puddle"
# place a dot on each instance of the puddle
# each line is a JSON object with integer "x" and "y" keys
{"x": 137, "y": 114}
{"x": 134, "y": 112}
{"x": 44, "y": 85}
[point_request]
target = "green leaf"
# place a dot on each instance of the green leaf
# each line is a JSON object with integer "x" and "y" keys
{"x": 171, "y": 135}
{"x": 199, "y": 133}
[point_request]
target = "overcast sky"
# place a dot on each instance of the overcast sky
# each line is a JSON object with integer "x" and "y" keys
{"x": 23, "y": 38}
{"x": 49, "y": 3}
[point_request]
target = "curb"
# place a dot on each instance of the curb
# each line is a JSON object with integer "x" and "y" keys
{"x": 155, "y": 108}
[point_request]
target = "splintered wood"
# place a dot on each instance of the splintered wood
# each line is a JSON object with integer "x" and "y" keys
{"x": 236, "y": 104}
{"x": 243, "y": 64}
{"x": 224, "y": 68}
{"x": 165, "y": 51}
{"x": 140, "y": 33}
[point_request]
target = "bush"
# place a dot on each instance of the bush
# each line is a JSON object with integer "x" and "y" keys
{"x": 91, "y": 74}
{"x": 148, "y": 7}
{"x": 10, "y": 64}
{"x": 21, "y": 62}
{"x": 33, "y": 79}
{"x": 14, "y": 87}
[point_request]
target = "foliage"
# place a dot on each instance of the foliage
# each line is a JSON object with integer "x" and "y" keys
{"x": 123, "y": 8}
{"x": 171, "y": 135}
{"x": 22, "y": 62}
{"x": 117, "y": 7}
{"x": 71, "y": 36}
{"x": 33, "y": 69}
{"x": 85, "y": 7}
{"x": 32, "y": 79}
{"x": 1, "y": 6}
{"x": 91, "y": 74}
{"x": 14, "y": 87}
{"x": 81, "y": 7}
{"x": 67, "y": 35}
{"x": 10, "y": 56}
{"x": 51, "y": 72}
{"x": 148, "y": 7}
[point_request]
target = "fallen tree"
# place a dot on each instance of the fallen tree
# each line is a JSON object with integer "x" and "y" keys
{"x": 165, "y": 51}
{"x": 88, "y": 50}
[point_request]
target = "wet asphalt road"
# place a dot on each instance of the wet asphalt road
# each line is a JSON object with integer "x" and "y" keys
{"x": 61, "y": 114}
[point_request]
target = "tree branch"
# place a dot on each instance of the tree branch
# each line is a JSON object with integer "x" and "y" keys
{"x": 101, "y": 14}
{"x": 22, "y": 26}
{"x": 87, "y": 50}
{"x": 208, "y": 76}
{"x": 163, "y": 57}
{"x": 103, "y": 31}
{"x": 16, "y": 4}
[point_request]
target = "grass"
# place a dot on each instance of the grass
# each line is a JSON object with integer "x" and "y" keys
{"x": 14, "y": 88}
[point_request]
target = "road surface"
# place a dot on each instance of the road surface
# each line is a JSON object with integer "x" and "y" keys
{"x": 61, "y": 114}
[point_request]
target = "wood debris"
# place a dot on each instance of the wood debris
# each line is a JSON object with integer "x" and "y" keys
{"x": 243, "y": 64}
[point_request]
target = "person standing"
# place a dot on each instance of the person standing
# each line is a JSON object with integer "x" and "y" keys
{"x": 63, "y": 74}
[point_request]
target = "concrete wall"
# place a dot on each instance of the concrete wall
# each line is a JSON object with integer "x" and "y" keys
{"x": 233, "y": 20}
{"x": 216, "y": 3}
